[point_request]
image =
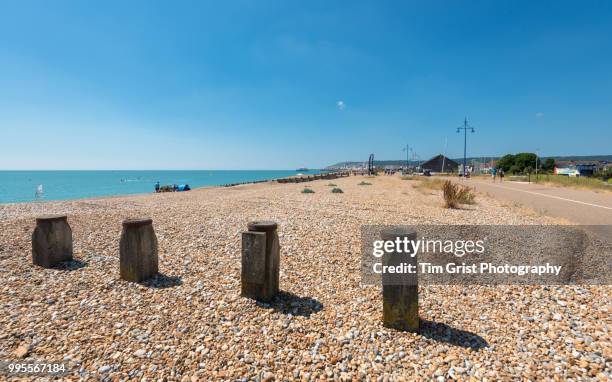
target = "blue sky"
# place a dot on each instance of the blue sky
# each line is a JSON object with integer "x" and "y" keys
{"x": 283, "y": 84}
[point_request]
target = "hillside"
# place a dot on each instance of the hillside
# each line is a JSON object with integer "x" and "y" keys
{"x": 382, "y": 163}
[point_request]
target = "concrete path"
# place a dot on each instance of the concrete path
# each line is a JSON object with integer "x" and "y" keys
{"x": 583, "y": 207}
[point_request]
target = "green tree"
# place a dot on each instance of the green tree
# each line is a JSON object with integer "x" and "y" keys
{"x": 524, "y": 160}
{"x": 548, "y": 165}
{"x": 514, "y": 169}
{"x": 505, "y": 162}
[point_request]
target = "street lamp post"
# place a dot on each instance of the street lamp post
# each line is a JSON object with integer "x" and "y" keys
{"x": 465, "y": 129}
{"x": 407, "y": 150}
{"x": 537, "y": 156}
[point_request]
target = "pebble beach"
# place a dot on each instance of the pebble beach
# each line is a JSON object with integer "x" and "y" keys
{"x": 191, "y": 324}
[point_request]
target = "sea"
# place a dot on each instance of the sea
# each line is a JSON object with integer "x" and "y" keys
{"x": 29, "y": 186}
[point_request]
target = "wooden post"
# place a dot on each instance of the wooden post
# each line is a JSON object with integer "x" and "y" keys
{"x": 138, "y": 250}
{"x": 260, "y": 261}
{"x": 400, "y": 291}
{"x": 51, "y": 240}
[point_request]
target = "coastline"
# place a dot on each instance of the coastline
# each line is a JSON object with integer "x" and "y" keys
{"x": 103, "y": 197}
{"x": 79, "y": 185}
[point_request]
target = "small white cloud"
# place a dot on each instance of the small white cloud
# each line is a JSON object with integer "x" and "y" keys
{"x": 340, "y": 105}
{"x": 539, "y": 114}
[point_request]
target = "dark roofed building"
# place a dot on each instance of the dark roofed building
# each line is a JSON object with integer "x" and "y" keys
{"x": 435, "y": 164}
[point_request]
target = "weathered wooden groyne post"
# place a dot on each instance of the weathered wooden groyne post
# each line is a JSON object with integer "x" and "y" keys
{"x": 138, "y": 259}
{"x": 400, "y": 291}
{"x": 260, "y": 261}
{"x": 51, "y": 240}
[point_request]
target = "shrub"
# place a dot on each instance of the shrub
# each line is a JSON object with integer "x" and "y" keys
{"x": 331, "y": 185}
{"x": 364, "y": 183}
{"x": 450, "y": 191}
{"x": 337, "y": 190}
{"x": 455, "y": 194}
{"x": 466, "y": 196}
{"x": 605, "y": 175}
{"x": 307, "y": 191}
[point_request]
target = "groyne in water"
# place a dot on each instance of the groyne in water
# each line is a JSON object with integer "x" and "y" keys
{"x": 297, "y": 179}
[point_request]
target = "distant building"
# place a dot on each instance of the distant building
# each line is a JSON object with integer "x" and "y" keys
{"x": 578, "y": 168}
{"x": 435, "y": 164}
{"x": 567, "y": 171}
{"x": 479, "y": 167}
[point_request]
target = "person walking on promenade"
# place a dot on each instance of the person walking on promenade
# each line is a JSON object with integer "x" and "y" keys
{"x": 501, "y": 175}
{"x": 493, "y": 173}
